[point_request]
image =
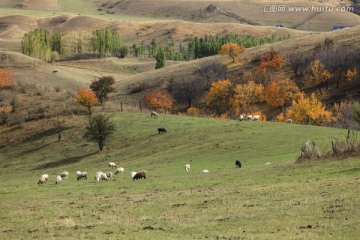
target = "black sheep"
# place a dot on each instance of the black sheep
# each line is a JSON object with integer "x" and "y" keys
{"x": 238, "y": 163}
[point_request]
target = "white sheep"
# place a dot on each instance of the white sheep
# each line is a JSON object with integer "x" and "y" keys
{"x": 45, "y": 176}
{"x": 41, "y": 181}
{"x": 256, "y": 117}
{"x": 119, "y": 170}
{"x": 81, "y": 175}
{"x": 112, "y": 164}
{"x": 241, "y": 117}
{"x": 249, "y": 117}
{"x": 205, "y": 171}
{"x": 268, "y": 163}
{"x": 154, "y": 114}
{"x": 289, "y": 120}
{"x": 101, "y": 176}
{"x": 187, "y": 167}
{"x": 58, "y": 180}
{"x": 64, "y": 174}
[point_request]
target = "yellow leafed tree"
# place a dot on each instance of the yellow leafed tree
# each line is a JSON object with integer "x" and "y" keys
{"x": 306, "y": 110}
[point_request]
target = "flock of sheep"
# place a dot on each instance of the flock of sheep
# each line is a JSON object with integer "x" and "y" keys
{"x": 101, "y": 176}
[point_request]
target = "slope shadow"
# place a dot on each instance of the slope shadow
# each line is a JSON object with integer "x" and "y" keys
{"x": 65, "y": 161}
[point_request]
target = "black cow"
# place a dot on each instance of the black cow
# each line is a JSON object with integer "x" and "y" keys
{"x": 161, "y": 130}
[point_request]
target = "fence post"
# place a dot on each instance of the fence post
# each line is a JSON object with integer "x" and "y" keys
{"x": 140, "y": 105}
{"x": 121, "y": 108}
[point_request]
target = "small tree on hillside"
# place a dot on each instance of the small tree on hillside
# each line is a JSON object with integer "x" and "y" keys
{"x": 6, "y": 79}
{"x": 87, "y": 99}
{"x": 271, "y": 60}
{"x": 158, "y": 100}
{"x": 160, "y": 59}
{"x": 318, "y": 75}
{"x": 232, "y": 49}
{"x": 103, "y": 87}
{"x": 99, "y": 129}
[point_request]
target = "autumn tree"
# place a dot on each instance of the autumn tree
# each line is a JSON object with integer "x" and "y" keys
{"x": 103, "y": 87}
{"x": 306, "y": 110}
{"x": 6, "y": 79}
{"x": 87, "y": 99}
{"x": 278, "y": 93}
{"x": 271, "y": 60}
{"x": 99, "y": 129}
{"x": 318, "y": 75}
{"x": 247, "y": 94}
{"x": 232, "y": 49}
{"x": 217, "y": 100}
{"x": 158, "y": 99}
{"x": 356, "y": 107}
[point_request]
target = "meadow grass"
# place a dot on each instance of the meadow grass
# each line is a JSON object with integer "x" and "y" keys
{"x": 284, "y": 200}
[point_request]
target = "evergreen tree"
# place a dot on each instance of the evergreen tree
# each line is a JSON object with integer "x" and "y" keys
{"x": 160, "y": 59}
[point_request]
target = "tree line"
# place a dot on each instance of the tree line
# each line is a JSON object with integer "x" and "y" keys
{"x": 51, "y": 46}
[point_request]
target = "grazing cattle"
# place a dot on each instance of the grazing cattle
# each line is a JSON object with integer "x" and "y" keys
{"x": 140, "y": 175}
{"x": 161, "y": 130}
{"x": 154, "y": 114}
{"x": 55, "y": 71}
{"x": 238, "y": 163}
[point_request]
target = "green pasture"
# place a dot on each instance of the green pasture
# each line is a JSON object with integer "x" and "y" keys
{"x": 283, "y": 200}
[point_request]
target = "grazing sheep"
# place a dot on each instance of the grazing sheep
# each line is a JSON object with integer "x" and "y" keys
{"x": 58, "y": 180}
{"x": 64, "y": 174}
{"x": 41, "y": 181}
{"x": 249, "y": 117}
{"x": 238, "y": 163}
{"x": 101, "y": 176}
{"x": 241, "y": 117}
{"x": 119, "y": 170}
{"x": 112, "y": 164}
{"x": 161, "y": 130}
{"x": 187, "y": 167}
{"x": 268, "y": 163}
{"x": 154, "y": 114}
{"x": 256, "y": 117}
{"x": 81, "y": 175}
{"x": 289, "y": 120}
{"x": 45, "y": 176}
{"x": 205, "y": 171}
{"x": 140, "y": 175}
{"x": 109, "y": 174}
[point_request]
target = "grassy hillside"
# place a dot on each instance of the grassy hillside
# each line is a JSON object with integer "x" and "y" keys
{"x": 283, "y": 200}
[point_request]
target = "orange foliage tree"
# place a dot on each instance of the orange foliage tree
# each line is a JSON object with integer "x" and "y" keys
{"x": 217, "y": 99}
{"x": 306, "y": 110}
{"x": 6, "y": 79}
{"x": 232, "y": 49}
{"x": 158, "y": 99}
{"x": 271, "y": 60}
{"x": 87, "y": 98}
{"x": 246, "y": 94}
{"x": 277, "y": 93}
{"x": 318, "y": 75}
